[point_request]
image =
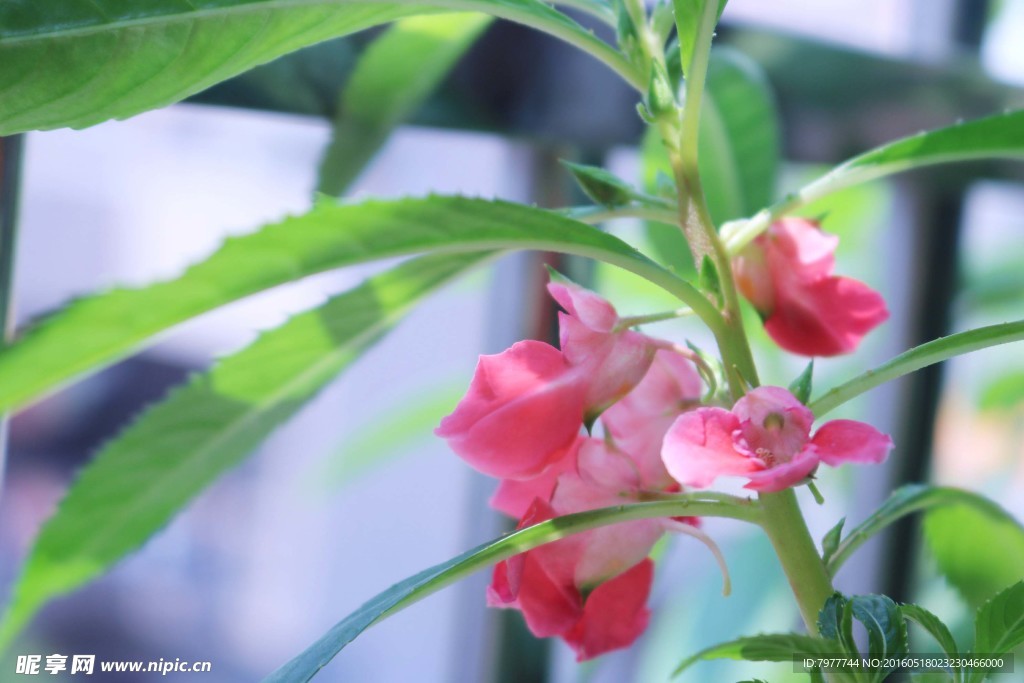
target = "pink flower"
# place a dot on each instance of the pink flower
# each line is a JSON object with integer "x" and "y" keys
{"x": 767, "y": 439}
{"x": 787, "y": 274}
{"x": 542, "y": 584}
{"x": 614, "y": 360}
{"x": 639, "y": 421}
{"x": 523, "y": 411}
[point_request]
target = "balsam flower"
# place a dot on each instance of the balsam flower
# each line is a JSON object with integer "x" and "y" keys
{"x": 766, "y": 438}
{"x": 786, "y": 273}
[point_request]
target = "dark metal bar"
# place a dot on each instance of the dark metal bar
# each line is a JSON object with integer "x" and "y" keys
{"x": 10, "y": 182}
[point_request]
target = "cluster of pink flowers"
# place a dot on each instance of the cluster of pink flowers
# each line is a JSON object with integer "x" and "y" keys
{"x": 526, "y": 420}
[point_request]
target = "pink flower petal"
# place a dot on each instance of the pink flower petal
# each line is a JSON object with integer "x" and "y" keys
{"x": 773, "y": 420}
{"x": 615, "y": 613}
{"x": 842, "y": 441}
{"x": 784, "y": 475}
{"x": 698, "y": 448}
{"x": 514, "y": 496}
{"x": 593, "y": 310}
{"x": 524, "y": 407}
{"x": 826, "y": 318}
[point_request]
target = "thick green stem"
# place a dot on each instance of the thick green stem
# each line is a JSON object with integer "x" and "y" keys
{"x": 808, "y": 578}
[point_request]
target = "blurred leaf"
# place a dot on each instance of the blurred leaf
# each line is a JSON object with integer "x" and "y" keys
{"x": 389, "y": 435}
{"x": 108, "y": 326}
{"x": 177, "y": 448}
{"x": 739, "y": 137}
{"x": 980, "y": 550}
{"x": 916, "y": 358}
{"x": 781, "y": 647}
{"x": 415, "y": 588}
{"x": 999, "y": 625}
{"x": 392, "y": 78}
{"x": 907, "y": 500}
{"x": 73, "y": 63}
{"x": 667, "y": 240}
{"x": 688, "y": 20}
{"x": 1006, "y": 392}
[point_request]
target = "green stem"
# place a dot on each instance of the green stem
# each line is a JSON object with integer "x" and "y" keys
{"x": 634, "y": 320}
{"x": 787, "y": 531}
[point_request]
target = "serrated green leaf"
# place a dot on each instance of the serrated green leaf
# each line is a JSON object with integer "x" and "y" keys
{"x": 739, "y": 137}
{"x": 602, "y": 186}
{"x": 999, "y": 624}
{"x": 801, "y": 387}
{"x": 781, "y": 647}
{"x": 75, "y": 63}
{"x": 979, "y": 550}
{"x": 419, "y": 586}
{"x": 938, "y": 630}
{"x": 153, "y": 469}
{"x": 887, "y": 631}
{"x": 904, "y": 501}
{"x": 916, "y": 358}
{"x": 108, "y": 326}
{"x": 835, "y": 623}
{"x": 392, "y": 78}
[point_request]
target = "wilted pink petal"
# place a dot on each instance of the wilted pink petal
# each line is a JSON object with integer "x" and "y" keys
{"x": 614, "y": 615}
{"x": 592, "y": 310}
{"x": 523, "y": 409}
{"x": 699, "y": 448}
{"x": 787, "y": 274}
{"x": 842, "y": 441}
{"x": 639, "y": 421}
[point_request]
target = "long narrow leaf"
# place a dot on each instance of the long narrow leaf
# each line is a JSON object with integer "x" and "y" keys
{"x": 108, "y": 326}
{"x": 994, "y": 137}
{"x": 75, "y": 63}
{"x": 390, "y": 81}
{"x": 905, "y": 501}
{"x": 146, "y": 475}
{"x": 916, "y": 358}
{"x": 431, "y": 580}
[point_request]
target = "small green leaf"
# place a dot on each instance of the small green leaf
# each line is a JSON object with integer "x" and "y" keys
{"x": 801, "y": 386}
{"x": 830, "y": 543}
{"x": 999, "y": 624}
{"x": 1006, "y": 392}
{"x": 708, "y": 280}
{"x": 603, "y": 187}
{"x": 392, "y": 78}
{"x": 661, "y": 100}
{"x": 835, "y": 623}
{"x": 919, "y": 357}
{"x": 938, "y": 630}
{"x": 782, "y": 647}
{"x": 904, "y": 501}
{"x": 979, "y": 550}
{"x": 142, "y": 478}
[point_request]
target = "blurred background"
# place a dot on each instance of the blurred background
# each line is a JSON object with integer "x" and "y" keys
{"x": 355, "y": 493}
